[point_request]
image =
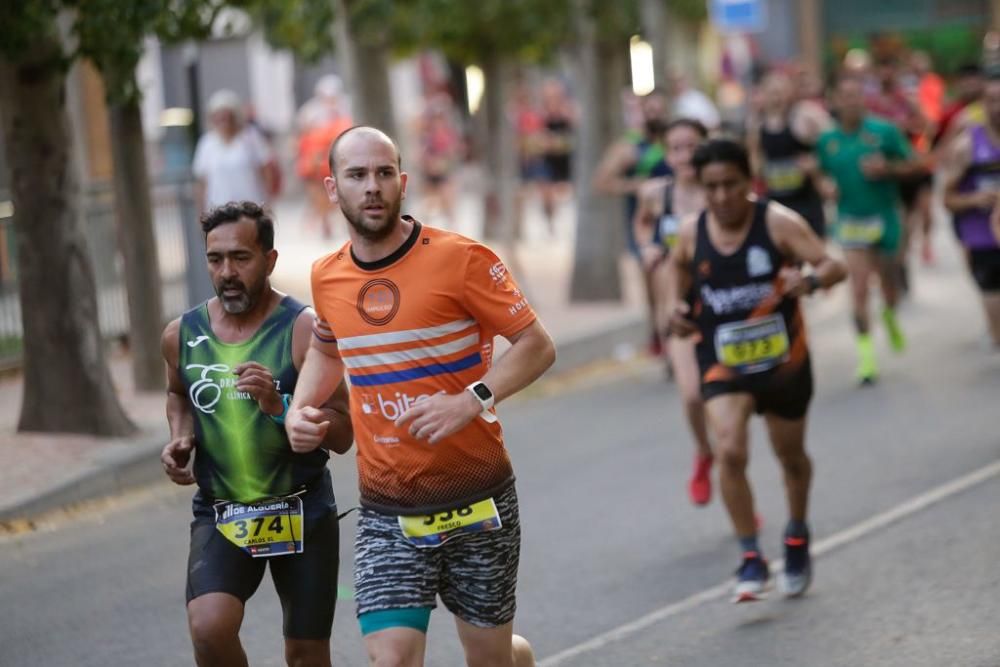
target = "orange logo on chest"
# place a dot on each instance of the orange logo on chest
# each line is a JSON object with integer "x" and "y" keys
{"x": 378, "y": 301}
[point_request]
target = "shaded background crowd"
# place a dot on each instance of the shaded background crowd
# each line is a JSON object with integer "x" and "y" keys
{"x": 504, "y": 112}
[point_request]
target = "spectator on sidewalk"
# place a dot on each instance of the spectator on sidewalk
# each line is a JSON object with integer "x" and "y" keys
{"x": 232, "y": 161}
{"x": 441, "y": 153}
{"x": 691, "y": 103}
{"x": 320, "y": 121}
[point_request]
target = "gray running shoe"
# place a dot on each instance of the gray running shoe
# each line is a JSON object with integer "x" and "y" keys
{"x": 795, "y": 579}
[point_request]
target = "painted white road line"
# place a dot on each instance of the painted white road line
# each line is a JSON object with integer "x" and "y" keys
{"x": 824, "y": 546}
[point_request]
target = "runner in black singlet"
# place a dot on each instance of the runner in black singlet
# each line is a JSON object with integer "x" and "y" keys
{"x": 740, "y": 259}
{"x": 782, "y": 144}
{"x": 663, "y": 203}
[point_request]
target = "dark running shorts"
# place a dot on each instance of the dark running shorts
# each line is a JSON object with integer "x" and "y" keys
{"x": 985, "y": 266}
{"x": 306, "y": 583}
{"x": 777, "y": 392}
{"x": 911, "y": 187}
{"x": 810, "y": 208}
{"x": 475, "y": 574}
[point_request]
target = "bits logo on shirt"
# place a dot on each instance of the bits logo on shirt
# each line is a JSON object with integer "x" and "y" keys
{"x": 391, "y": 408}
{"x": 378, "y": 301}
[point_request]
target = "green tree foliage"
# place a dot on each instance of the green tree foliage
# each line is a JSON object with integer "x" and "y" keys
{"x": 522, "y": 30}
{"x": 690, "y": 10}
{"x": 23, "y": 24}
{"x": 302, "y": 26}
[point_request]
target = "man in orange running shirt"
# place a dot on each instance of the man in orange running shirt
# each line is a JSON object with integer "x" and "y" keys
{"x": 411, "y": 312}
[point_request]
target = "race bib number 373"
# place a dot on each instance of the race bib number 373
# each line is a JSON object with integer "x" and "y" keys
{"x": 435, "y": 529}
{"x": 269, "y": 528}
{"x": 754, "y": 345}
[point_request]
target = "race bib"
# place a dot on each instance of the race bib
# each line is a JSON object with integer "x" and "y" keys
{"x": 988, "y": 182}
{"x": 669, "y": 228}
{"x": 752, "y": 346}
{"x": 783, "y": 176}
{"x": 435, "y": 529}
{"x": 853, "y": 232}
{"x": 268, "y": 528}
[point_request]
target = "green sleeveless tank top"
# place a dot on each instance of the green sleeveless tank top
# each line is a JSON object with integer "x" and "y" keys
{"x": 241, "y": 453}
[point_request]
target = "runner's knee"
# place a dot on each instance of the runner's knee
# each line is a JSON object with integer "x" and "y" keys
{"x": 794, "y": 460}
{"x": 211, "y": 634}
{"x": 489, "y": 655}
{"x": 215, "y": 615}
{"x": 393, "y": 656}
{"x": 731, "y": 454}
{"x": 307, "y": 653}
{"x": 524, "y": 656}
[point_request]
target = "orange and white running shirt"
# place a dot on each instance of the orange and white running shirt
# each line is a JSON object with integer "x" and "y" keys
{"x": 416, "y": 323}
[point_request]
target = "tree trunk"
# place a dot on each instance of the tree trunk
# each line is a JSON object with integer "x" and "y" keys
{"x": 500, "y": 157}
{"x": 600, "y": 78}
{"x": 654, "y": 29}
{"x": 67, "y": 386}
{"x": 682, "y": 37}
{"x": 137, "y": 243}
{"x": 367, "y": 68}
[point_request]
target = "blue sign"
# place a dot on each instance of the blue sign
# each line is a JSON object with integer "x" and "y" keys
{"x": 739, "y": 15}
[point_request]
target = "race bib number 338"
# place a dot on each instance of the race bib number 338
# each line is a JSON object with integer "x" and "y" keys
{"x": 753, "y": 345}
{"x": 268, "y": 528}
{"x": 436, "y": 529}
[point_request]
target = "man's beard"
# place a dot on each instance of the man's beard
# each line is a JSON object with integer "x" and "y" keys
{"x": 355, "y": 218}
{"x": 237, "y": 305}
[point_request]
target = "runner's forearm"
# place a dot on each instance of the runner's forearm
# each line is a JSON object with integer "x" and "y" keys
{"x": 179, "y": 417}
{"x": 340, "y": 435}
{"x": 678, "y": 283}
{"x": 957, "y": 202}
{"x": 321, "y": 374}
{"x": 907, "y": 168}
{"x": 829, "y": 272}
{"x": 531, "y": 354}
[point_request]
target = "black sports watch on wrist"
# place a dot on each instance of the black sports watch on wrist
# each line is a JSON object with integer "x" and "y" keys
{"x": 813, "y": 282}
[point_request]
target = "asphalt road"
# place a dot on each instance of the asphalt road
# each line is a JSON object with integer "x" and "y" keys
{"x": 613, "y": 554}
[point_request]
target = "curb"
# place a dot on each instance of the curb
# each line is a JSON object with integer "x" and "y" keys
{"x": 137, "y": 463}
{"x": 613, "y": 341}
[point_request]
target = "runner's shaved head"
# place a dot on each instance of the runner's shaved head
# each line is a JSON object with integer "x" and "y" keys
{"x": 359, "y": 132}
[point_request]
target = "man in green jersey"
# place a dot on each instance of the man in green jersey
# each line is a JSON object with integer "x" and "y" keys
{"x": 865, "y": 157}
{"x": 232, "y": 364}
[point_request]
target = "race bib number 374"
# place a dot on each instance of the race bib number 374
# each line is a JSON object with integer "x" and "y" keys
{"x": 269, "y": 528}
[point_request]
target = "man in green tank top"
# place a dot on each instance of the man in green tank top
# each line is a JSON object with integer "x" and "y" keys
{"x": 232, "y": 364}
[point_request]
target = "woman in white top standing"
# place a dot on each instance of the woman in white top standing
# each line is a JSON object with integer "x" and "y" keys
{"x": 232, "y": 160}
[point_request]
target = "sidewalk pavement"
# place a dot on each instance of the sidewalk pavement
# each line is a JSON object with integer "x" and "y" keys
{"x": 43, "y": 472}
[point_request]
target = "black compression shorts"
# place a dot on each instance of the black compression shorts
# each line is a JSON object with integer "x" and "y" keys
{"x": 985, "y": 265}
{"x": 306, "y": 583}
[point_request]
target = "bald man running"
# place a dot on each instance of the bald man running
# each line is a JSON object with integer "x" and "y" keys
{"x": 411, "y": 311}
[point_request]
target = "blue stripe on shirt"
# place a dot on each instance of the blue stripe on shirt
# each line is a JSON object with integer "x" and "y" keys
{"x": 416, "y": 373}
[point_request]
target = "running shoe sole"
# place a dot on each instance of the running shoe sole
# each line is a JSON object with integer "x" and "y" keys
{"x": 796, "y": 585}
{"x": 749, "y": 591}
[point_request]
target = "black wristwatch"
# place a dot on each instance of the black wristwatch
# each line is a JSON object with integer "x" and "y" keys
{"x": 813, "y": 281}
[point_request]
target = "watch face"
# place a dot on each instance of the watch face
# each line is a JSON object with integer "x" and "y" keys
{"x": 482, "y": 391}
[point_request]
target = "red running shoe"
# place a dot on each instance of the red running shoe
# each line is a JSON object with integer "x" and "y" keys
{"x": 700, "y": 484}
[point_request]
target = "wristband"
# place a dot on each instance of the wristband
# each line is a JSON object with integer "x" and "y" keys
{"x": 813, "y": 281}
{"x": 286, "y": 401}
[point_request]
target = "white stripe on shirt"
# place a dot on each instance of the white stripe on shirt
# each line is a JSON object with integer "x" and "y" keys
{"x": 407, "y": 336}
{"x": 414, "y": 354}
